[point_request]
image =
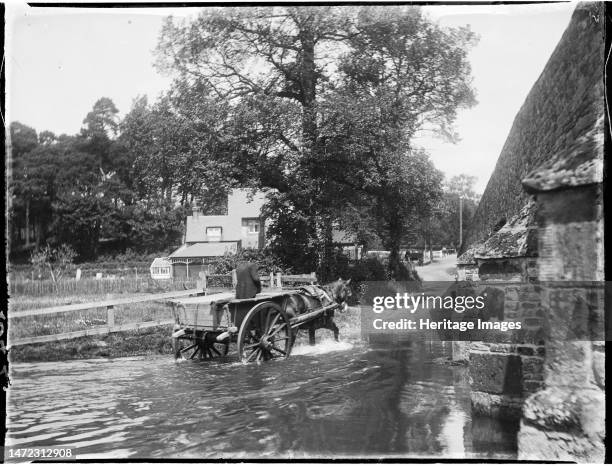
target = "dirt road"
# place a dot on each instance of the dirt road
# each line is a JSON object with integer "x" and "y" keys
{"x": 442, "y": 269}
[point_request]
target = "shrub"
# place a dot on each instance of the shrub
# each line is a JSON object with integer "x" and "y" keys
{"x": 267, "y": 262}
{"x": 57, "y": 260}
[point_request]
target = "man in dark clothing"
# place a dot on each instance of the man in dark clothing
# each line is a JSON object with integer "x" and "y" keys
{"x": 247, "y": 280}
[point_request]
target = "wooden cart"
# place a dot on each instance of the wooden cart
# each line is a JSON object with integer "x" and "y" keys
{"x": 263, "y": 327}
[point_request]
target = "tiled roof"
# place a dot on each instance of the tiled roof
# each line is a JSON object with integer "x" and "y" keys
{"x": 160, "y": 263}
{"x": 468, "y": 256}
{"x": 581, "y": 163}
{"x": 517, "y": 238}
{"x": 341, "y": 236}
{"x": 205, "y": 250}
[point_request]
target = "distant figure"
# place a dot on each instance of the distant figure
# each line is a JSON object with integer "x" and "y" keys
{"x": 247, "y": 280}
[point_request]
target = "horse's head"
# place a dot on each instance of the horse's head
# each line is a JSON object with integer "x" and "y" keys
{"x": 340, "y": 291}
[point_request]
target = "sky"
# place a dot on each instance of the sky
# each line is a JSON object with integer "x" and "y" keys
{"x": 60, "y": 61}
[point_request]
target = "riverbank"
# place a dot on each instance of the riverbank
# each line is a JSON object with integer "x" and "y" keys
{"x": 149, "y": 341}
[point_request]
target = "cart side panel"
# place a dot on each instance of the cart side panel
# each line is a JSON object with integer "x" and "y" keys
{"x": 200, "y": 311}
{"x": 197, "y": 316}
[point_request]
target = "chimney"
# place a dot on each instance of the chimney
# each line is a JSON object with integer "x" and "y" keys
{"x": 196, "y": 209}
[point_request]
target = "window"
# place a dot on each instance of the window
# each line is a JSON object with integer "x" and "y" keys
{"x": 252, "y": 225}
{"x": 213, "y": 233}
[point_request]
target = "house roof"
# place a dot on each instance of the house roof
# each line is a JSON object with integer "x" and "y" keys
{"x": 517, "y": 238}
{"x": 581, "y": 163}
{"x": 196, "y": 227}
{"x": 205, "y": 250}
{"x": 342, "y": 236}
{"x": 468, "y": 256}
{"x": 160, "y": 263}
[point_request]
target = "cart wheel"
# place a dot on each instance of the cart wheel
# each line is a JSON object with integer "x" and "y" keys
{"x": 181, "y": 349}
{"x": 265, "y": 334}
{"x": 210, "y": 348}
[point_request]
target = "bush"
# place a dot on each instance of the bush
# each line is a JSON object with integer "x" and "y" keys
{"x": 57, "y": 261}
{"x": 266, "y": 261}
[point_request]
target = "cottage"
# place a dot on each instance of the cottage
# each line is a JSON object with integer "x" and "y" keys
{"x": 210, "y": 237}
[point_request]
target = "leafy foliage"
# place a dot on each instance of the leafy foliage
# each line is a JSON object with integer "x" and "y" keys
{"x": 317, "y": 106}
{"x": 57, "y": 260}
{"x": 267, "y": 262}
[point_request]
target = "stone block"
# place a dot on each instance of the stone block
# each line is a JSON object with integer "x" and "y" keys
{"x": 460, "y": 351}
{"x": 511, "y": 305}
{"x": 512, "y": 295}
{"x": 599, "y": 368}
{"x": 503, "y": 348}
{"x": 532, "y": 368}
{"x": 496, "y": 405}
{"x": 524, "y": 306}
{"x": 536, "y": 444}
{"x": 495, "y": 373}
{"x": 531, "y": 386}
{"x": 559, "y": 408}
{"x": 525, "y": 350}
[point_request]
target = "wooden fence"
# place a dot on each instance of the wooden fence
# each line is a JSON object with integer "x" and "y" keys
{"x": 206, "y": 284}
{"x": 88, "y": 286}
{"x": 271, "y": 281}
{"x": 110, "y": 316}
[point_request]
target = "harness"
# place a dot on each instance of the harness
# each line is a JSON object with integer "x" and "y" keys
{"x": 316, "y": 292}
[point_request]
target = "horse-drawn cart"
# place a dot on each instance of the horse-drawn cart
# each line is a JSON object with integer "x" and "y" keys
{"x": 263, "y": 327}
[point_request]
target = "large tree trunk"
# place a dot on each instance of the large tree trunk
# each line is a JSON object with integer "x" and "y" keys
{"x": 395, "y": 232}
{"x": 27, "y": 223}
{"x": 325, "y": 248}
{"x": 308, "y": 83}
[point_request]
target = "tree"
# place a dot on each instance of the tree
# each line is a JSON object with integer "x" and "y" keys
{"x": 57, "y": 260}
{"x": 23, "y": 139}
{"x": 217, "y": 52}
{"x": 442, "y": 228}
{"x": 280, "y": 75}
{"x": 402, "y": 74}
{"x": 102, "y": 119}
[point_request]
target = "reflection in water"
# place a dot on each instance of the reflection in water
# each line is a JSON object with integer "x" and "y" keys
{"x": 347, "y": 399}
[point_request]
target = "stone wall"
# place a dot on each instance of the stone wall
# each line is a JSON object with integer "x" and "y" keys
{"x": 565, "y": 419}
{"x": 506, "y": 367}
{"x": 563, "y": 102}
{"x": 551, "y": 373}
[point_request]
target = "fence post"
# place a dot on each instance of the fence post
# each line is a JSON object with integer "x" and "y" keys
{"x": 279, "y": 283}
{"x": 313, "y": 275}
{"x": 110, "y": 316}
{"x": 201, "y": 282}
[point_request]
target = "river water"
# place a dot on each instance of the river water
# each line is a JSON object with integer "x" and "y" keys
{"x": 353, "y": 398}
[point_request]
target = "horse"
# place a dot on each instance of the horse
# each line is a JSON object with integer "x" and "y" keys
{"x": 314, "y": 297}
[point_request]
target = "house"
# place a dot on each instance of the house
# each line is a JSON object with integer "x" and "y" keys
{"x": 209, "y": 237}
{"x": 348, "y": 243}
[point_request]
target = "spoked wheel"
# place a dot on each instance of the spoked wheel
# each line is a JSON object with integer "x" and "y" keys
{"x": 265, "y": 334}
{"x": 210, "y": 348}
{"x": 206, "y": 348}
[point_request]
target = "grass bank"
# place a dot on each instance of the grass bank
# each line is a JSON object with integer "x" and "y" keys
{"x": 146, "y": 341}
{"x": 150, "y": 341}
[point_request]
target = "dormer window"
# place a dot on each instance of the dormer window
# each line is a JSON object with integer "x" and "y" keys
{"x": 213, "y": 233}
